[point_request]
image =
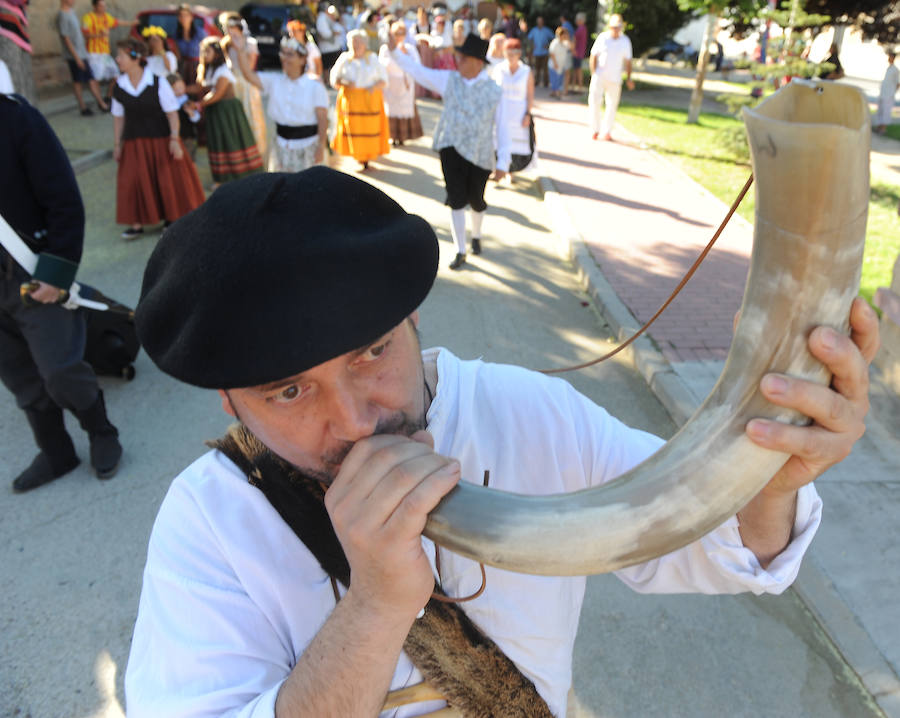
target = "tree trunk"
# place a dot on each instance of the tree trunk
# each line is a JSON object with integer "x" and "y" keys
{"x": 19, "y": 63}
{"x": 712, "y": 25}
{"x": 602, "y": 8}
{"x": 839, "y": 36}
{"x": 789, "y": 30}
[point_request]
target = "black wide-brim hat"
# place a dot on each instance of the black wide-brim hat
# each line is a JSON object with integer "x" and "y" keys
{"x": 277, "y": 273}
{"x": 473, "y": 46}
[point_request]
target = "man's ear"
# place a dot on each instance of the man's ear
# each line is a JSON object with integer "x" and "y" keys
{"x": 226, "y": 404}
{"x": 415, "y": 318}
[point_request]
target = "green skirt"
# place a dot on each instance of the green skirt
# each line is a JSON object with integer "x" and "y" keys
{"x": 232, "y": 148}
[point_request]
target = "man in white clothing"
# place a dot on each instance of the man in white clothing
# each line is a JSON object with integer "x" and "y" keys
{"x": 332, "y": 38}
{"x": 610, "y": 55}
{"x": 287, "y": 572}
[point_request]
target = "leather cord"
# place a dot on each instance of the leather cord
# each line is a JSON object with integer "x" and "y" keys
{"x": 684, "y": 280}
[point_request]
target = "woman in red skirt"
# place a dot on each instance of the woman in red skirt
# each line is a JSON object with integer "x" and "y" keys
{"x": 156, "y": 181}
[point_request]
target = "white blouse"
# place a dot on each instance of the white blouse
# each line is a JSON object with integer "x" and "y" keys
{"x": 293, "y": 102}
{"x": 163, "y": 66}
{"x": 221, "y": 71}
{"x": 166, "y": 97}
{"x": 359, "y": 72}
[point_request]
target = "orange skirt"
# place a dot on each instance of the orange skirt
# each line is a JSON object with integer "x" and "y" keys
{"x": 362, "y": 126}
{"x": 151, "y": 186}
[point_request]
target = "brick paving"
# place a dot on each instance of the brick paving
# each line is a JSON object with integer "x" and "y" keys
{"x": 645, "y": 222}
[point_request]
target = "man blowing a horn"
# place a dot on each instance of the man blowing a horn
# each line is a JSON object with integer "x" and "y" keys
{"x": 287, "y": 573}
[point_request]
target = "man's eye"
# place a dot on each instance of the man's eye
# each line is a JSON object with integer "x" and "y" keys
{"x": 374, "y": 352}
{"x": 287, "y": 395}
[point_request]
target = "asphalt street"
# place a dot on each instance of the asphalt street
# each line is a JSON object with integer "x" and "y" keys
{"x": 71, "y": 553}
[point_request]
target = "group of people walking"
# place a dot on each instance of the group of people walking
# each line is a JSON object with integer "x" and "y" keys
{"x": 161, "y": 97}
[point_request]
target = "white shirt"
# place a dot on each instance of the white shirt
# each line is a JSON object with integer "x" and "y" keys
{"x": 611, "y": 55}
{"x": 221, "y": 71}
{"x": 436, "y": 80}
{"x": 359, "y": 72}
{"x": 163, "y": 66}
{"x": 559, "y": 53}
{"x": 331, "y": 33}
{"x": 166, "y": 97}
{"x": 231, "y": 597}
{"x": 294, "y": 103}
{"x": 312, "y": 52}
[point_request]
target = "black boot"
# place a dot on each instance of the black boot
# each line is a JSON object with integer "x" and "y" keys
{"x": 476, "y": 245}
{"x": 105, "y": 447}
{"x": 458, "y": 262}
{"x": 57, "y": 456}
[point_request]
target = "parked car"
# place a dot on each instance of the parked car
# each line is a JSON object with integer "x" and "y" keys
{"x": 167, "y": 19}
{"x": 268, "y": 24}
{"x": 674, "y": 53}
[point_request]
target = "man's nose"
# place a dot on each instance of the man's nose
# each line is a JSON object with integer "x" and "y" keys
{"x": 352, "y": 415}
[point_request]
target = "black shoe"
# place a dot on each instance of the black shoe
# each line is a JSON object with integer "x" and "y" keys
{"x": 87, "y": 112}
{"x": 132, "y": 232}
{"x": 42, "y": 472}
{"x": 476, "y": 245}
{"x": 458, "y": 262}
{"x": 105, "y": 447}
{"x": 57, "y": 456}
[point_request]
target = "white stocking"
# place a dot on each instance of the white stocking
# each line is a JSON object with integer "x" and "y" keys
{"x": 458, "y": 228}
{"x": 477, "y": 217}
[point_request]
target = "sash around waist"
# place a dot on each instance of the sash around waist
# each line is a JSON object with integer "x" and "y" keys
{"x": 300, "y": 132}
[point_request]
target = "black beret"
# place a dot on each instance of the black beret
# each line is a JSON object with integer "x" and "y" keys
{"x": 276, "y": 273}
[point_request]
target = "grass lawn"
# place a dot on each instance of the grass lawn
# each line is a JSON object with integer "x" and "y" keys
{"x": 892, "y": 131}
{"x": 701, "y": 154}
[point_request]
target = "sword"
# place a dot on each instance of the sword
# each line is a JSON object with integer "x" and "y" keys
{"x": 70, "y": 298}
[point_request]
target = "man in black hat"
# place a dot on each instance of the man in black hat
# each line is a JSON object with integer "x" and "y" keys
{"x": 465, "y": 134}
{"x": 42, "y": 345}
{"x": 287, "y": 574}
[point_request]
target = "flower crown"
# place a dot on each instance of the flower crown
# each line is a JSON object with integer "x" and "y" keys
{"x": 154, "y": 30}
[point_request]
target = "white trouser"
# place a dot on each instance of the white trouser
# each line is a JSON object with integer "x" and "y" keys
{"x": 603, "y": 92}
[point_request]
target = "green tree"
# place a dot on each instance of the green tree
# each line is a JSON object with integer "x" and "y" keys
{"x": 649, "y": 22}
{"x": 714, "y": 11}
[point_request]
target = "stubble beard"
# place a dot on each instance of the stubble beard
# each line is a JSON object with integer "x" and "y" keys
{"x": 400, "y": 424}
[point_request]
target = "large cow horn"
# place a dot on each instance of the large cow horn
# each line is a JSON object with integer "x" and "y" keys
{"x": 809, "y": 145}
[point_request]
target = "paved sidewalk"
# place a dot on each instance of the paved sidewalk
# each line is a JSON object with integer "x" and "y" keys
{"x": 634, "y": 224}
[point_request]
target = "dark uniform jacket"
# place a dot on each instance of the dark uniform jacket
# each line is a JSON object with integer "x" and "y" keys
{"x": 39, "y": 197}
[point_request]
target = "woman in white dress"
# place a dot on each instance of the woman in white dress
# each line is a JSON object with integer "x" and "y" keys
{"x": 886, "y": 96}
{"x": 298, "y": 105}
{"x": 495, "y": 54}
{"x": 400, "y": 93}
{"x": 245, "y": 91}
{"x": 517, "y": 83}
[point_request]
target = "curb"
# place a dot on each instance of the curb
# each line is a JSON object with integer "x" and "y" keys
{"x": 653, "y": 366}
{"x": 91, "y": 160}
{"x": 66, "y": 103}
{"x": 814, "y": 588}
